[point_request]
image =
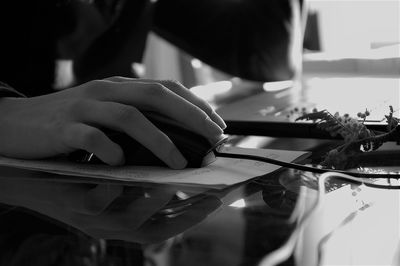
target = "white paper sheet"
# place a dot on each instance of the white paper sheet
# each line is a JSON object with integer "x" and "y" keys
{"x": 221, "y": 173}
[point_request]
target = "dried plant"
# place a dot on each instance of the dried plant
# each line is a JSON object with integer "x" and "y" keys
{"x": 357, "y": 137}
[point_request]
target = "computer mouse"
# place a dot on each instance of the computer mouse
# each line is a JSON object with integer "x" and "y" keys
{"x": 197, "y": 150}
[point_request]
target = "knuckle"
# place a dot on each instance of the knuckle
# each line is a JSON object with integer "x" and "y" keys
{"x": 197, "y": 113}
{"x": 89, "y": 138}
{"x": 155, "y": 90}
{"x": 94, "y": 88}
{"x": 126, "y": 113}
{"x": 205, "y": 106}
{"x": 77, "y": 106}
{"x": 172, "y": 83}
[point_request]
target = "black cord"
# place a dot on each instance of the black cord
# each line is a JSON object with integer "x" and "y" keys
{"x": 303, "y": 167}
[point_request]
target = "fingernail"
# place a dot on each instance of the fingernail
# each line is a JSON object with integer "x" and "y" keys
{"x": 217, "y": 119}
{"x": 178, "y": 161}
{"x": 212, "y": 128}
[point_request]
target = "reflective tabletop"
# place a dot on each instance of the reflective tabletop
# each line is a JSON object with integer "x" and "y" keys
{"x": 282, "y": 218}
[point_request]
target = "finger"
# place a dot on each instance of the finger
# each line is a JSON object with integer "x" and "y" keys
{"x": 91, "y": 139}
{"x": 157, "y": 98}
{"x": 128, "y": 119}
{"x": 182, "y": 91}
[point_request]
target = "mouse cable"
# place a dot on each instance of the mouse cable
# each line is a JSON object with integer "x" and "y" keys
{"x": 313, "y": 169}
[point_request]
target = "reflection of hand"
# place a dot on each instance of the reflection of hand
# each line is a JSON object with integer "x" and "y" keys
{"x": 71, "y": 119}
{"x": 106, "y": 211}
{"x": 157, "y": 230}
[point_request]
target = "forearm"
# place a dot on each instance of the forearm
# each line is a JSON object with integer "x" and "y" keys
{"x": 249, "y": 39}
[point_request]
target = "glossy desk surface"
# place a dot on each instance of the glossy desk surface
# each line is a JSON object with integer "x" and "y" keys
{"x": 271, "y": 220}
{"x": 46, "y": 219}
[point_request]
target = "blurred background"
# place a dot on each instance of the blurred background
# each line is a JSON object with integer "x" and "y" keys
{"x": 359, "y": 37}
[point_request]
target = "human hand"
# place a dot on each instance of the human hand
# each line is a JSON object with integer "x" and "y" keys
{"x": 73, "y": 119}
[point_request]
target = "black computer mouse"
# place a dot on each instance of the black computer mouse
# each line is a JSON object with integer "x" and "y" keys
{"x": 197, "y": 150}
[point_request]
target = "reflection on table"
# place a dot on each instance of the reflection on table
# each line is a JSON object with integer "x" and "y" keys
{"x": 48, "y": 220}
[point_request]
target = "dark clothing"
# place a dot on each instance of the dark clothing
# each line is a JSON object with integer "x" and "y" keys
{"x": 248, "y": 39}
